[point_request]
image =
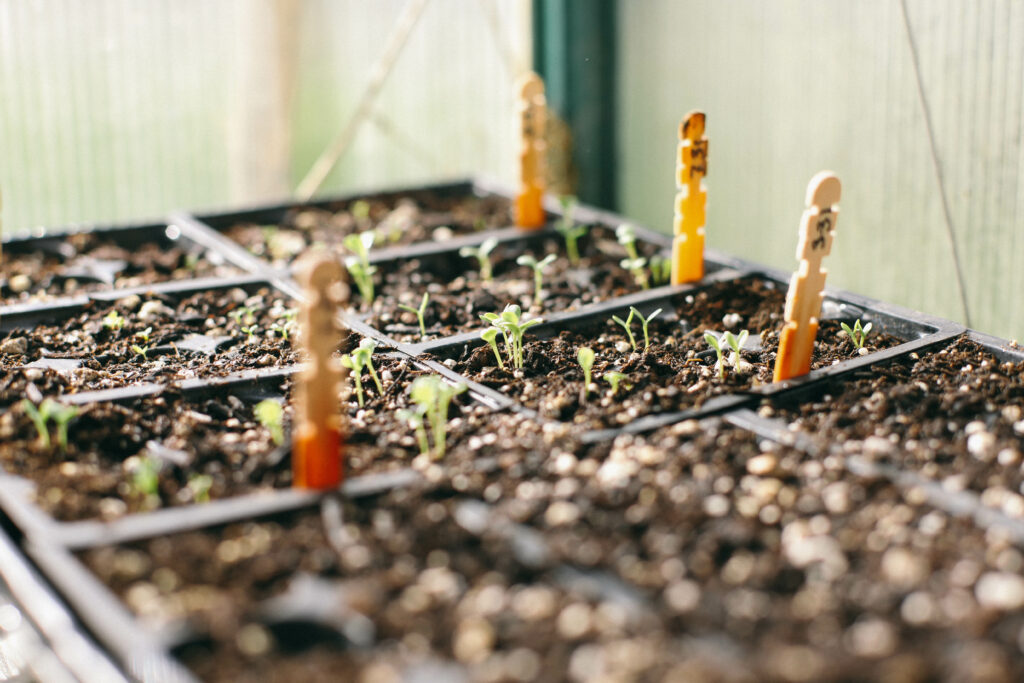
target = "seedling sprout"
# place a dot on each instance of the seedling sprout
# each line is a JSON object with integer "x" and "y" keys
{"x": 359, "y": 265}
{"x": 140, "y": 351}
{"x": 47, "y": 411}
{"x": 113, "y": 321}
{"x": 146, "y": 477}
{"x": 419, "y": 313}
{"x": 736, "y": 343}
{"x": 510, "y": 325}
{"x": 414, "y": 417}
{"x": 200, "y": 485}
{"x": 625, "y": 324}
{"x": 661, "y": 270}
{"x": 614, "y": 377}
{"x": 144, "y": 334}
{"x": 637, "y": 267}
{"x": 538, "y": 272}
{"x": 566, "y": 226}
{"x": 626, "y": 234}
{"x": 719, "y": 348}
{"x": 644, "y": 322}
{"x": 270, "y": 414}
{"x": 490, "y": 335}
{"x": 365, "y": 353}
{"x": 585, "y": 357}
{"x": 483, "y": 256}
{"x": 857, "y": 334}
{"x": 250, "y": 333}
{"x": 433, "y": 396}
{"x": 354, "y": 363}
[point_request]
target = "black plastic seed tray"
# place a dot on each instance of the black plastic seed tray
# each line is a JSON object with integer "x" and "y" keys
{"x": 101, "y": 261}
{"x": 959, "y": 503}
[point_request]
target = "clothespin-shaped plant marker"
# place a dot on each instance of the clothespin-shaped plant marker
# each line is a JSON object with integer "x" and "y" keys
{"x": 803, "y": 302}
{"x": 529, "y": 206}
{"x": 691, "y": 201}
{"x": 317, "y": 445}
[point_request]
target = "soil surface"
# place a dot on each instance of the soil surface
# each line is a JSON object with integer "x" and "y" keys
{"x": 214, "y": 445}
{"x": 955, "y": 415}
{"x": 698, "y": 551}
{"x": 677, "y": 372}
{"x": 458, "y": 295}
{"x": 151, "y": 339}
{"x": 90, "y": 262}
{"x": 398, "y": 220}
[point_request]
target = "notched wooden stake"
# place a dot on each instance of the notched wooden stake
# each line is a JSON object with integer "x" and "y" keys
{"x": 691, "y": 201}
{"x": 803, "y": 302}
{"x": 529, "y": 206}
{"x": 317, "y": 443}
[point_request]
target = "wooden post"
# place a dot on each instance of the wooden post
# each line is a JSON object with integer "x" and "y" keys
{"x": 691, "y": 201}
{"x": 317, "y": 445}
{"x": 803, "y": 302}
{"x": 529, "y": 206}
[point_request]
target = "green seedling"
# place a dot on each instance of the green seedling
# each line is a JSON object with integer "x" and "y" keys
{"x": 47, "y": 411}
{"x": 286, "y": 323}
{"x": 637, "y": 267}
{"x": 360, "y": 210}
{"x": 141, "y": 351}
{"x": 626, "y": 235}
{"x": 144, "y": 334}
{"x": 270, "y": 414}
{"x": 354, "y": 363}
{"x": 359, "y": 264}
{"x": 538, "y": 272}
{"x": 192, "y": 261}
{"x": 614, "y": 378}
{"x": 200, "y": 485}
{"x": 585, "y": 357}
{"x": 512, "y": 327}
{"x": 736, "y": 342}
{"x": 719, "y": 348}
{"x": 365, "y": 354}
{"x": 661, "y": 270}
{"x": 857, "y": 334}
{"x": 490, "y": 335}
{"x": 483, "y": 256}
{"x": 626, "y": 324}
{"x": 250, "y": 333}
{"x": 243, "y": 315}
{"x": 113, "y": 321}
{"x": 433, "y": 396}
{"x": 419, "y": 313}
{"x": 644, "y": 322}
{"x": 146, "y": 477}
{"x": 566, "y": 226}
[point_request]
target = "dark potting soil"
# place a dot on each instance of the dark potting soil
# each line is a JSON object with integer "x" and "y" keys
{"x": 172, "y": 450}
{"x": 955, "y": 415}
{"x": 398, "y": 219}
{"x": 695, "y": 551}
{"x": 458, "y": 295}
{"x": 153, "y": 339}
{"x": 677, "y": 372}
{"x": 90, "y": 262}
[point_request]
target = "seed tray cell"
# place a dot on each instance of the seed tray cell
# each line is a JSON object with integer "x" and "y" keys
{"x": 70, "y": 262}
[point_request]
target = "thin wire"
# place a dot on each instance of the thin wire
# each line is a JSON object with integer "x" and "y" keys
{"x": 937, "y": 164}
{"x": 382, "y": 69}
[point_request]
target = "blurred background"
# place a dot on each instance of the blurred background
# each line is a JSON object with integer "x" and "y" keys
{"x": 112, "y": 110}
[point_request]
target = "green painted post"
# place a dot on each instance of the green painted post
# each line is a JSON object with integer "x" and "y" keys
{"x": 574, "y": 52}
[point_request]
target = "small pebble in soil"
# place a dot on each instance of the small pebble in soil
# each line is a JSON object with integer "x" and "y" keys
{"x": 154, "y": 310}
{"x": 15, "y": 346}
{"x": 1000, "y": 590}
{"x": 19, "y": 283}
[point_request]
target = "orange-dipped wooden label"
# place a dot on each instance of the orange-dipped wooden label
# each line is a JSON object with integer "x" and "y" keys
{"x": 691, "y": 201}
{"x": 317, "y": 458}
{"x": 803, "y": 301}
{"x": 529, "y": 204}
{"x": 317, "y": 437}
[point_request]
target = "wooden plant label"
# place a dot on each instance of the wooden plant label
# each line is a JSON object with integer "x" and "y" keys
{"x": 529, "y": 206}
{"x": 317, "y": 446}
{"x": 691, "y": 201}
{"x": 803, "y": 302}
